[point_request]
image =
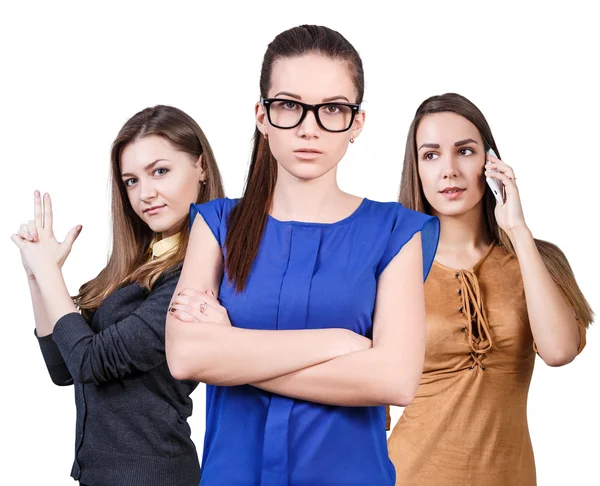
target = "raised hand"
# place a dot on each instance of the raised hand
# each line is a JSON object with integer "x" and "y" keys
{"x": 510, "y": 215}
{"x": 39, "y": 248}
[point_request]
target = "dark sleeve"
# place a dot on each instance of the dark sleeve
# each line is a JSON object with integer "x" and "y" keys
{"x": 132, "y": 345}
{"x": 59, "y": 373}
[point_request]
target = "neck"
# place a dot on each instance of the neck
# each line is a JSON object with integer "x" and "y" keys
{"x": 305, "y": 200}
{"x": 463, "y": 232}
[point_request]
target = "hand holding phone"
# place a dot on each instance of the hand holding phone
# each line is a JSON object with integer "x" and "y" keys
{"x": 495, "y": 184}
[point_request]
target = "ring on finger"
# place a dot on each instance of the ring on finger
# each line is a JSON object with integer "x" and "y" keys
{"x": 203, "y": 307}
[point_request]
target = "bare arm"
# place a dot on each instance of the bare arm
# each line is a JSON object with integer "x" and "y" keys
{"x": 389, "y": 372}
{"x": 555, "y": 330}
{"x": 227, "y": 356}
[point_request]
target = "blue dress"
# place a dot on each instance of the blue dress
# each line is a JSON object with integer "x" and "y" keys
{"x": 306, "y": 276}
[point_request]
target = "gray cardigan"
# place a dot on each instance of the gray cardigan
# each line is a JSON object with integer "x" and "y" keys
{"x": 131, "y": 427}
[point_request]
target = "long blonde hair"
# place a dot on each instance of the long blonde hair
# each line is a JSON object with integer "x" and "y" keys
{"x": 128, "y": 260}
{"x": 413, "y": 197}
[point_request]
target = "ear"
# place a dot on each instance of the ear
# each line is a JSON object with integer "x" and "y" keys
{"x": 358, "y": 124}
{"x": 261, "y": 118}
{"x": 202, "y": 175}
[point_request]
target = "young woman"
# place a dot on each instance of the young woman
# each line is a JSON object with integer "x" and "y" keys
{"x": 494, "y": 297}
{"x": 131, "y": 413}
{"x": 321, "y": 316}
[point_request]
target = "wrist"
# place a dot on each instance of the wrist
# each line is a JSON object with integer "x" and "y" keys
{"x": 519, "y": 233}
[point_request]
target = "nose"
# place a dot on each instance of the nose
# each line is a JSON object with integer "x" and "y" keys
{"x": 147, "y": 191}
{"x": 309, "y": 128}
{"x": 449, "y": 167}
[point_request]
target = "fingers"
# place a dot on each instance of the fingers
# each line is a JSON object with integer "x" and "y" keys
{"x": 509, "y": 183}
{"x": 24, "y": 233}
{"x": 188, "y": 313}
{"x": 17, "y": 240}
{"x": 32, "y": 228}
{"x": 72, "y": 236}
{"x": 47, "y": 213}
{"x": 37, "y": 209}
{"x": 501, "y": 167}
{"x": 182, "y": 315}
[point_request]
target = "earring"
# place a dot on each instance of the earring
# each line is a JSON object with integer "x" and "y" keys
{"x": 352, "y": 140}
{"x": 266, "y": 136}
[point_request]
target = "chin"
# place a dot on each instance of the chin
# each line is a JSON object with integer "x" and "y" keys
{"x": 307, "y": 171}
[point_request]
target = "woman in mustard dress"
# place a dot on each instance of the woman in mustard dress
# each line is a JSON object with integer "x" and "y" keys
{"x": 494, "y": 297}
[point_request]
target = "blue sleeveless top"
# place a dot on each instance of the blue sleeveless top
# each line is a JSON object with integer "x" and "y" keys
{"x": 306, "y": 276}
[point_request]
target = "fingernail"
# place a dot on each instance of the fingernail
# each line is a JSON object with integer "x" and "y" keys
{"x": 79, "y": 228}
{"x": 36, "y": 193}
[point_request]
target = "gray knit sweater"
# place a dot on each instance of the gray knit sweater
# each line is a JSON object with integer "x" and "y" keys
{"x": 132, "y": 414}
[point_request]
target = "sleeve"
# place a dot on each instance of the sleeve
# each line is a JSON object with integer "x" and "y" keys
{"x": 212, "y": 212}
{"x": 406, "y": 225}
{"x": 132, "y": 345}
{"x": 59, "y": 373}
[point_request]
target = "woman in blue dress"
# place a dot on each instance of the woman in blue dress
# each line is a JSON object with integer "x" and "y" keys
{"x": 320, "y": 315}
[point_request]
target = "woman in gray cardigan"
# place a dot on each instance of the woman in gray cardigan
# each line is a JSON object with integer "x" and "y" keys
{"x": 109, "y": 340}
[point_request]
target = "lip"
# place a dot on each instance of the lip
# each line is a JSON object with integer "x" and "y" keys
{"x": 452, "y": 195}
{"x": 307, "y": 153}
{"x": 154, "y": 209}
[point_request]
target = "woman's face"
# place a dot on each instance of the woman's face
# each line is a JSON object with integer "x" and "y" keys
{"x": 451, "y": 158}
{"x": 161, "y": 182}
{"x": 308, "y": 151}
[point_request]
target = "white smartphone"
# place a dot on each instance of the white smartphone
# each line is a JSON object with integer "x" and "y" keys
{"x": 496, "y": 185}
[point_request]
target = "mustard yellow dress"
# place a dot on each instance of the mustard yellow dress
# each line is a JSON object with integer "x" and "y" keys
{"x": 467, "y": 425}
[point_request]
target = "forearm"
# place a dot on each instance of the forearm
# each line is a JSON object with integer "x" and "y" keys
{"x": 365, "y": 378}
{"x": 229, "y": 356}
{"x": 54, "y": 295}
{"x": 55, "y": 363}
{"x": 553, "y": 324}
{"x": 42, "y": 322}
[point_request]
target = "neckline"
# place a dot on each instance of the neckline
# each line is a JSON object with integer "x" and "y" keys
{"x": 475, "y": 267}
{"x": 347, "y": 219}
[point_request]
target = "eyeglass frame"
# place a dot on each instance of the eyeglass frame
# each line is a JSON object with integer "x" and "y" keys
{"x": 266, "y": 102}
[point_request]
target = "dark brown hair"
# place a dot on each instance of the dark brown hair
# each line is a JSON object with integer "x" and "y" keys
{"x": 248, "y": 218}
{"x": 128, "y": 260}
{"x": 413, "y": 197}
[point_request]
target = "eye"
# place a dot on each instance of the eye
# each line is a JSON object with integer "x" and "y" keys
{"x": 465, "y": 151}
{"x": 430, "y": 156}
{"x": 289, "y": 105}
{"x": 160, "y": 171}
{"x": 130, "y": 182}
{"x": 333, "y": 109}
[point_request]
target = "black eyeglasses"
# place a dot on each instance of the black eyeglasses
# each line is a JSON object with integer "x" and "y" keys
{"x": 332, "y": 117}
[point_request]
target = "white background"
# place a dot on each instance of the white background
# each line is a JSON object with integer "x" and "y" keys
{"x": 72, "y": 73}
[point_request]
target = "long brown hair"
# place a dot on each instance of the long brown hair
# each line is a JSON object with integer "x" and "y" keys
{"x": 248, "y": 218}
{"x": 128, "y": 260}
{"x": 413, "y": 197}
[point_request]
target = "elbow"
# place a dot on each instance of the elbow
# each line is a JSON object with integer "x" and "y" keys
{"x": 559, "y": 357}
{"x": 401, "y": 397}
{"x": 400, "y": 392}
{"x": 179, "y": 365}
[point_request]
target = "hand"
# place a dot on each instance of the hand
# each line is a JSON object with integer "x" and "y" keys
{"x": 191, "y": 305}
{"x": 510, "y": 215}
{"x": 36, "y": 240}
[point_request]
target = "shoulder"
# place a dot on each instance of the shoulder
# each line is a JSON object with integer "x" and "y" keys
{"x": 216, "y": 208}
{"x": 394, "y": 215}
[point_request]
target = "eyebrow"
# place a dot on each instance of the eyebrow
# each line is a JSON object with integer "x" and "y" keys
{"x": 430, "y": 145}
{"x": 456, "y": 144}
{"x": 298, "y": 97}
{"x": 464, "y": 142}
{"x": 146, "y": 168}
